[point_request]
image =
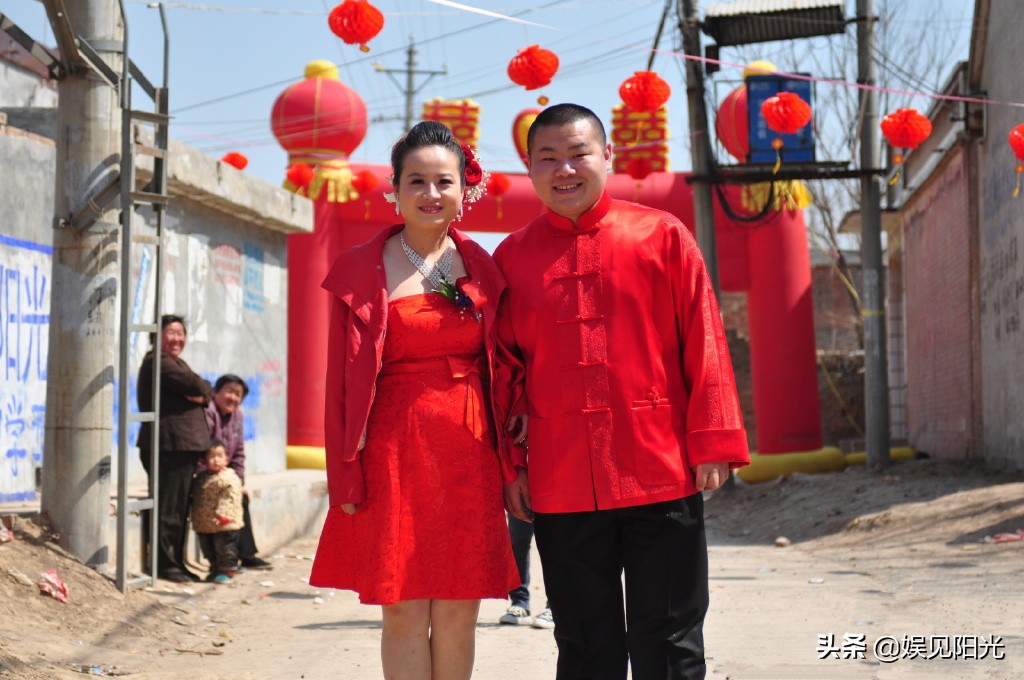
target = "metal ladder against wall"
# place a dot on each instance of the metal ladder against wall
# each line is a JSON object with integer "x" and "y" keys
{"x": 153, "y": 195}
{"x": 77, "y": 54}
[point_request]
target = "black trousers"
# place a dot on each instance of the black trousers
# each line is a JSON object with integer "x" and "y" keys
{"x": 662, "y": 549}
{"x": 176, "y": 470}
{"x": 221, "y": 549}
{"x": 246, "y": 541}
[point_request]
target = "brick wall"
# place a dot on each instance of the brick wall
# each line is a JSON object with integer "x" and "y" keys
{"x": 936, "y": 281}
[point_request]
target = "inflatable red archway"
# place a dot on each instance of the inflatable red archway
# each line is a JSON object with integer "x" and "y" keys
{"x": 768, "y": 259}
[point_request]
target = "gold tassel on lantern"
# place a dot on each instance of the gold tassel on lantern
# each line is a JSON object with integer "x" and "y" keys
{"x": 785, "y": 195}
{"x": 336, "y": 176}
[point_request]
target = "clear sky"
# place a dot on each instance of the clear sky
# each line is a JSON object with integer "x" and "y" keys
{"x": 231, "y": 58}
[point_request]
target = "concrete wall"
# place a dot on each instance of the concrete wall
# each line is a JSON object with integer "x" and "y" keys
{"x": 20, "y": 87}
{"x": 937, "y": 285}
{"x": 26, "y": 212}
{"x": 1001, "y": 245}
{"x": 225, "y": 272}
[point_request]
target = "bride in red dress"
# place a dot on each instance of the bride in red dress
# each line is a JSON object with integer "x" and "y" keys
{"x": 416, "y": 520}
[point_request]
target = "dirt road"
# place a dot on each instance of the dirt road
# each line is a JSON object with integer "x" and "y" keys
{"x": 871, "y": 557}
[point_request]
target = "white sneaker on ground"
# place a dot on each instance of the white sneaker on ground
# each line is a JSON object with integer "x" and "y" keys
{"x": 515, "y": 615}
{"x": 543, "y": 620}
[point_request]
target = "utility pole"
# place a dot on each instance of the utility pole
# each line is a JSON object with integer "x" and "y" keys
{"x": 876, "y": 383}
{"x": 409, "y": 89}
{"x": 84, "y": 282}
{"x": 700, "y": 142}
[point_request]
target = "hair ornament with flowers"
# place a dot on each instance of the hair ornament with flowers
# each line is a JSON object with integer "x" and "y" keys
{"x": 475, "y": 176}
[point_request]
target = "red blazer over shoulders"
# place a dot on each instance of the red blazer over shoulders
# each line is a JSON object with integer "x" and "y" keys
{"x": 358, "y": 320}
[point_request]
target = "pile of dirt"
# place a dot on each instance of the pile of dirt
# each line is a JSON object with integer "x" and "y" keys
{"x": 96, "y": 613}
{"x": 948, "y": 502}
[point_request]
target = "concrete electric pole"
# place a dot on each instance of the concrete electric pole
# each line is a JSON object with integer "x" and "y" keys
{"x": 83, "y": 322}
{"x": 700, "y": 141}
{"x": 876, "y": 382}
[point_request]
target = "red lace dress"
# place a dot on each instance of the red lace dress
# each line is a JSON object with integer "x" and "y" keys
{"x": 432, "y": 524}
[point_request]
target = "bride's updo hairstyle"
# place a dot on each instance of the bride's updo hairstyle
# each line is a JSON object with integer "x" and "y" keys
{"x": 426, "y": 133}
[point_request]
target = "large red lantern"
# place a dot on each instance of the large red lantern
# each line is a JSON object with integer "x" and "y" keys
{"x": 1016, "y": 139}
{"x": 320, "y": 121}
{"x": 533, "y": 67}
{"x": 644, "y": 91}
{"x": 356, "y": 22}
{"x": 732, "y": 126}
{"x": 785, "y": 114}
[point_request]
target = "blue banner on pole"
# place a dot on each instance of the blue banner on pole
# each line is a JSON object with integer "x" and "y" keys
{"x": 796, "y": 148}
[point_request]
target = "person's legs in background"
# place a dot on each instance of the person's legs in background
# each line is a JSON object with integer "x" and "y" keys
{"x": 521, "y": 534}
{"x": 176, "y": 470}
{"x": 247, "y": 542}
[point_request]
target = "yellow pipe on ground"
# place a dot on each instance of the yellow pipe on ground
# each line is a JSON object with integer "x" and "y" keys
{"x": 896, "y": 453}
{"x": 766, "y": 467}
{"x": 305, "y": 458}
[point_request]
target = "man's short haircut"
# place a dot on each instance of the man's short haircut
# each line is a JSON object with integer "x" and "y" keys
{"x": 560, "y": 114}
{"x": 231, "y": 379}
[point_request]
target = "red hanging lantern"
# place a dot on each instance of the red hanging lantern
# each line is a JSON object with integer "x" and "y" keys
{"x": 356, "y": 22}
{"x": 300, "y": 175}
{"x": 644, "y": 91}
{"x": 639, "y": 168}
{"x": 364, "y": 181}
{"x": 533, "y": 67}
{"x": 905, "y": 129}
{"x": 235, "y": 159}
{"x": 1016, "y": 139}
{"x": 497, "y": 185}
{"x": 785, "y": 114}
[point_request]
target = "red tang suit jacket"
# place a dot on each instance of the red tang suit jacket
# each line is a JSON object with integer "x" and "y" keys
{"x": 610, "y": 338}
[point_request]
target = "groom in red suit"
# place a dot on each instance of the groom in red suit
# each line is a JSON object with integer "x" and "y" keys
{"x": 622, "y": 403}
